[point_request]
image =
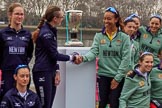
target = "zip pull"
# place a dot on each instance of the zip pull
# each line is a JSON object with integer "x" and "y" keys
{"x": 110, "y": 44}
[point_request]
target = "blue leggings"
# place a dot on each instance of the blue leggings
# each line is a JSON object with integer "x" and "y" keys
{"x": 45, "y": 87}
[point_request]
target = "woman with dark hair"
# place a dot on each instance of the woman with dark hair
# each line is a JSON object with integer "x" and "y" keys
{"x": 130, "y": 28}
{"x": 16, "y": 46}
{"x": 112, "y": 47}
{"x": 20, "y": 96}
{"x": 46, "y": 74}
{"x": 150, "y": 39}
{"x": 137, "y": 85}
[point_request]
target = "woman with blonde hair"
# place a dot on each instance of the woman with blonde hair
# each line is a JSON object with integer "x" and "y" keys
{"x": 16, "y": 46}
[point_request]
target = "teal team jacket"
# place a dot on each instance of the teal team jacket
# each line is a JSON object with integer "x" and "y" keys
{"x": 134, "y": 48}
{"x": 150, "y": 43}
{"x": 156, "y": 84}
{"x": 135, "y": 92}
{"x": 114, "y": 56}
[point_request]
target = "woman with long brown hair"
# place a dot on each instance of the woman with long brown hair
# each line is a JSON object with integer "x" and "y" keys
{"x": 46, "y": 74}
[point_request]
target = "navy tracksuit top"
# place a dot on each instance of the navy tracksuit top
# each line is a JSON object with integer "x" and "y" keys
{"x": 12, "y": 99}
{"x": 46, "y": 52}
{"x": 16, "y": 47}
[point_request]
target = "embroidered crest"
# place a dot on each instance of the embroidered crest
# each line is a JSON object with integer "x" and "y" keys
{"x": 141, "y": 83}
{"x": 9, "y": 38}
{"x": 23, "y": 38}
{"x": 130, "y": 72}
{"x": 103, "y": 41}
{"x": 160, "y": 76}
{"x": 118, "y": 41}
{"x": 145, "y": 36}
{"x": 158, "y": 42}
{"x": 31, "y": 103}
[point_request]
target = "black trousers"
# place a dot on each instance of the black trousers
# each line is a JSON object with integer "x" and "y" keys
{"x": 45, "y": 87}
{"x": 106, "y": 94}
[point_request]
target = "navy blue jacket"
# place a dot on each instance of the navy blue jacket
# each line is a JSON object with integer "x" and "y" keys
{"x": 15, "y": 48}
{"x": 12, "y": 99}
{"x": 46, "y": 52}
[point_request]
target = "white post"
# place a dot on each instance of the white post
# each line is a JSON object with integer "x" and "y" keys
{"x": 78, "y": 82}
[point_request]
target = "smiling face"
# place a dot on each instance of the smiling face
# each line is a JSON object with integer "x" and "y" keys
{"x": 130, "y": 28}
{"x": 109, "y": 19}
{"x": 16, "y": 16}
{"x": 22, "y": 77}
{"x": 137, "y": 21}
{"x": 146, "y": 63}
{"x": 154, "y": 25}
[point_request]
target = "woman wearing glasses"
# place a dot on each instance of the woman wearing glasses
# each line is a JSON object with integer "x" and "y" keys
{"x": 16, "y": 46}
{"x": 150, "y": 39}
{"x": 112, "y": 48}
{"x": 136, "y": 89}
{"x": 46, "y": 74}
{"x": 20, "y": 96}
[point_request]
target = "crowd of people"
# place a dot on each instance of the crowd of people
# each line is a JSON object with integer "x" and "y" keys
{"x": 129, "y": 60}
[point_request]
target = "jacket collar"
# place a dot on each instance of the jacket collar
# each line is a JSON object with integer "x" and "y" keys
{"x": 9, "y": 29}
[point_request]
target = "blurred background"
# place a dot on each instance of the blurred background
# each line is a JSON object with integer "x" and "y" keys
{"x": 92, "y": 9}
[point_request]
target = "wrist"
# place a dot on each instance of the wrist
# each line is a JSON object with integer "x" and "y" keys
{"x": 57, "y": 71}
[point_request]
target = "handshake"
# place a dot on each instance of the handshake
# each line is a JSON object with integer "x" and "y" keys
{"x": 76, "y": 58}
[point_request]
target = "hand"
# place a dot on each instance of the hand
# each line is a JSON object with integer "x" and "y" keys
{"x": 57, "y": 78}
{"x": 78, "y": 59}
{"x": 114, "y": 84}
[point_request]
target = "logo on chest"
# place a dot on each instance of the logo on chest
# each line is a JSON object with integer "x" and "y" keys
{"x": 145, "y": 36}
{"x": 160, "y": 76}
{"x": 141, "y": 83}
{"x": 23, "y": 38}
{"x": 31, "y": 103}
{"x": 103, "y": 41}
{"x": 158, "y": 42}
{"x": 9, "y": 38}
{"x": 17, "y": 104}
{"x": 118, "y": 42}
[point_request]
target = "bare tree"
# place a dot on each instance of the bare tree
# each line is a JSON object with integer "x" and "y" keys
{"x": 92, "y": 9}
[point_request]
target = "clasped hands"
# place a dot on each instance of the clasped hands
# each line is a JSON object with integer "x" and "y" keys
{"x": 78, "y": 59}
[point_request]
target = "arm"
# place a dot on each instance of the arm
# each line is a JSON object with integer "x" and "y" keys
{"x": 38, "y": 103}
{"x": 30, "y": 50}
{"x": 1, "y": 50}
{"x": 50, "y": 43}
{"x": 137, "y": 54}
{"x": 94, "y": 51}
{"x": 5, "y": 103}
{"x": 128, "y": 89}
{"x": 125, "y": 60}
